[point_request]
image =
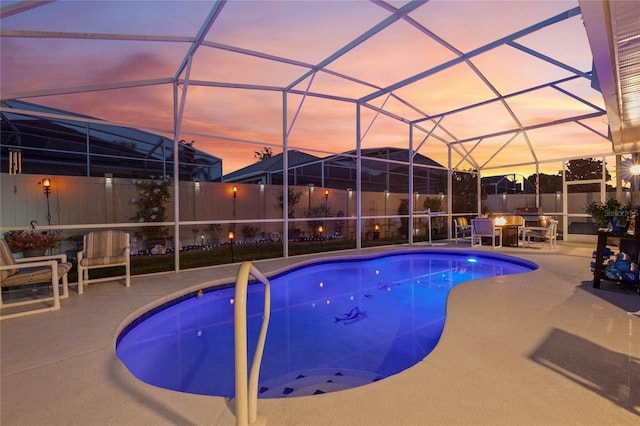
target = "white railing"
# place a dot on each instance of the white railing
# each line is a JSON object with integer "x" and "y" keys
{"x": 247, "y": 391}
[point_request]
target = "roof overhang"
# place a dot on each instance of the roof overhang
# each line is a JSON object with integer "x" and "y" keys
{"x": 614, "y": 36}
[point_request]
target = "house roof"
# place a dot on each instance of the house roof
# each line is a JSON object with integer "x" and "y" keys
{"x": 269, "y": 165}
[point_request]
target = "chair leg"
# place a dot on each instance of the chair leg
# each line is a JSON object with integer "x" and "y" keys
{"x": 55, "y": 283}
{"x": 65, "y": 287}
{"x": 80, "y": 278}
{"x": 128, "y": 276}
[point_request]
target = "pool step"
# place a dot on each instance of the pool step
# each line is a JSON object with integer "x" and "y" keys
{"x": 314, "y": 382}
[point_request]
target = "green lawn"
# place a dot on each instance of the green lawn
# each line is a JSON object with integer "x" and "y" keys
{"x": 143, "y": 264}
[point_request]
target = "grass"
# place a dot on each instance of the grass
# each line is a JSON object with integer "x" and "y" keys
{"x": 224, "y": 254}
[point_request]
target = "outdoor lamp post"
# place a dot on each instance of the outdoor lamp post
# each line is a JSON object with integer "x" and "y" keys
{"x": 235, "y": 194}
{"x": 231, "y": 236}
{"x": 326, "y": 199}
{"x": 46, "y": 184}
{"x": 320, "y": 229}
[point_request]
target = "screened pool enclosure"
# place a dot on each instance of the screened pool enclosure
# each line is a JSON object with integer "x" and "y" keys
{"x": 385, "y": 110}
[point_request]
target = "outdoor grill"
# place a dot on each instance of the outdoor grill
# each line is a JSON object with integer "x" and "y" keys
{"x": 532, "y": 216}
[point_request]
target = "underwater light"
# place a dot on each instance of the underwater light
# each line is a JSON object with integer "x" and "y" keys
{"x": 472, "y": 260}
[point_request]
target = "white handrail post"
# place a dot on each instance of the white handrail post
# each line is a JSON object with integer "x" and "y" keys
{"x": 247, "y": 391}
{"x": 257, "y": 356}
{"x": 240, "y": 336}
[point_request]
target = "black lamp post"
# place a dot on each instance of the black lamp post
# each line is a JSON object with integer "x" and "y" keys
{"x": 320, "y": 229}
{"x": 326, "y": 199}
{"x": 46, "y": 184}
{"x": 235, "y": 193}
{"x": 231, "y": 236}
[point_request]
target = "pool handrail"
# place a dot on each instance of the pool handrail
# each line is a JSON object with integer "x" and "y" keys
{"x": 247, "y": 394}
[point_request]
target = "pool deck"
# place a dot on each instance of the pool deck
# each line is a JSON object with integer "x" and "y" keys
{"x": 541, "y": 348}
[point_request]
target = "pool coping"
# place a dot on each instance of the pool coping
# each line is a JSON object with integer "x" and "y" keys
{"x": 61, "y": 367}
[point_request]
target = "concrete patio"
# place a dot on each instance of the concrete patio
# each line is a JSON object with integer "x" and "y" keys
{"x": 540, "y": 348}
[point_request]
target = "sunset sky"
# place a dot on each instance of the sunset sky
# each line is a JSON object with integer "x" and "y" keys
{"x": 134, "y": 49}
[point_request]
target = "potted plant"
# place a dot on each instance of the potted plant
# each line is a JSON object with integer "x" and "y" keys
{"x": 32, "y": 243}
{"x": 611, "y": 212}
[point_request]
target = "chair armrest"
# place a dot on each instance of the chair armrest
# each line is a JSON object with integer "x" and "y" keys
{"x": 22, "y": 265}
{"x": 535, "y": 228}
{"x": 61, "y": 257}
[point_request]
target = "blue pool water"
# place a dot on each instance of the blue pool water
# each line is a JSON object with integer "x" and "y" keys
{"x": 334, "y": 325}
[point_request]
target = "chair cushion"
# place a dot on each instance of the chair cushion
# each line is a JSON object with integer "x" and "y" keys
{"x": 105, "y": 260}
{"x": 36, "y": 275}
{"x": 6, "y": 259}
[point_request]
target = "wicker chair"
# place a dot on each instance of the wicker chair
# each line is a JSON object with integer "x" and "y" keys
{"x": 104, "y": 249}
{"x": 33, "y": 270}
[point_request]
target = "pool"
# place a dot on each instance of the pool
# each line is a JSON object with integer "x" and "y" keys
{"x": 335, "y": 324}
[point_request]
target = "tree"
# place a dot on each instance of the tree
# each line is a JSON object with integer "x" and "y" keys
{"x": 316, "y": 212}
{"x": 403, "y": 210}
{"x": 583, "y": 169}
{"x": 152, "y": 199}
{"x": 465, "y": 192}
{"x": 293, "y": 198}
{"x": 266, "y": 152}
{"x": 548, "y": 183}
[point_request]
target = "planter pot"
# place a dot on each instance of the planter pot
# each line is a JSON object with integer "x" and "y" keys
{"x": 34, "y": 252}
{"x": 18, "y": 255}
{"x": 71, "y": 255}
{"x": 619, "y": 227}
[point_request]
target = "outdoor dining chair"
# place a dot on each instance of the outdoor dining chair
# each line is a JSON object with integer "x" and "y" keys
{"x": 485, "y": 228}
{"x": 547, "y": 233}
{"x": 462, "y": 228}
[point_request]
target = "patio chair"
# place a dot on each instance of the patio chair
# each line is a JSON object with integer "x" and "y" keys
{"x": 462, "y": 228}
{"x": 485, "y": 228}
{"x": 548, "y": 232}
{"x": 104, "y": 249}
{"x": 33, "y": 270}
